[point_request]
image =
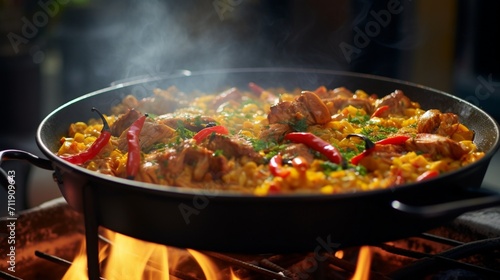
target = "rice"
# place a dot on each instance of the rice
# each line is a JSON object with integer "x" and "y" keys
{"x": 247, "y": 118}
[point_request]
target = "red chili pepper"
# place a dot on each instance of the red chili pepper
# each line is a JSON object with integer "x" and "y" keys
{"x": 317, "y": 144}
{"x": 256, "y": 89}
{"x": 207, "y": 131}
{"x": 274, "y": 188}
{"x": 96, "y": 147}
{"x": 300, "y": 164}
{"x": 134, "y": 147}
{"x": 357, "y": 158}
{"x": 370, "y": 146}
{"x": 394, "y": 140}
{"x": 427, "y": 175}
{"x": 276, "y": 167}
{"x": 379, "y": 111}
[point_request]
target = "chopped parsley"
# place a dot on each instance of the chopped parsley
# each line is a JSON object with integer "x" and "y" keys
{"x": 183, "y": 133}
{"x": 361, "y": 170}
{"x": 299, "y": 125}
{"x": 350, "y": 153}
{"x": 378, "y": 133}
{"x": 218, "y": 153}
{"x": 270, "y": 148}
{"x": 358, "y": 119}
{"x": 329, "y": 167}
{"x": 262, "y": 145}
{"x": 198, "y": 121}
{"x": 157, "y": 146}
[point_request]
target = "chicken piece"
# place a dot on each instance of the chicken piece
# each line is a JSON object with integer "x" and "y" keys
{"x": 436, "y": 145}
{"x": 435, "y": 122}
{"x": 124, "y": 121}
{"x": 151, "y": 133}
{"x": 298, "y": 150}
{"x": 397, "y": 101}
{"x": 171, "y": 166}
{"x": 316, "y": 107}
{"x": 191, "y": 122}
{"x": 232, "y": 147}
{"x": 275, "y": 132}
{"x": 307, "y": 106}
{"x": 323, "y": 93}
{"x": 280, "y": 113}
{"x": 149, "y": 172}
{"x": 203, "y": 161}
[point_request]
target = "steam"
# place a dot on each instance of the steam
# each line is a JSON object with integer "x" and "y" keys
{"x": 163, "y": 36}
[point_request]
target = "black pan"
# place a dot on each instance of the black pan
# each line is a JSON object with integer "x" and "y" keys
{"x": 233, "y": 222}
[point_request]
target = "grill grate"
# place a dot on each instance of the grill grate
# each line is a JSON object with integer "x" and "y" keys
{"x": 446, "y": 250}
{"x": 279, "y": 266}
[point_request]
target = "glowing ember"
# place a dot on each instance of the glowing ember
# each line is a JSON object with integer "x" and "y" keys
{"x": 339, "y": 254}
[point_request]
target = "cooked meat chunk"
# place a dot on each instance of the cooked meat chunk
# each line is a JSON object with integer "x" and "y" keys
{"x": 275, "y": 132}
{"x": 397, "y": 101}
{"x": 124, "y": 121}
{"x": 316, "y": 107}
{"x": 298, "y": 150}
{"x": 436, "y": 145}
{"x": 151, "y": 133}
{"x": 232, "y": 147}
{"x": 171, "y": 166}
{"x": 204, "y": 162}
{"x": 307, "y": 106}
{"x": 323, "y": 93}
{"x": 149, "y": 172}
{"x": 280, "y": 112}
{"x": 435, "y": 122}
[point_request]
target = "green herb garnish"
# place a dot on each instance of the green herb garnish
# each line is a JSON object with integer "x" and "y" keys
{"x": 299, "y": 125}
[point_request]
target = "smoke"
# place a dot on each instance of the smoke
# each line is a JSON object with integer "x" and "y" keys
{"x": 163, "y": 36}
{"x": 152, "y": 36}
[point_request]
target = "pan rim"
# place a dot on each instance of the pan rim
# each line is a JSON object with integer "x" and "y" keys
{"x": 224, "y": 194}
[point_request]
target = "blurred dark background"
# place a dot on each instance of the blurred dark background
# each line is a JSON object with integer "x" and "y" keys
{"x": 52, "y": 51}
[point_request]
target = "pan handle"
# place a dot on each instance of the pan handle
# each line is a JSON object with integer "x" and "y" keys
{"x": 453, "y": 208}
{"x": 6, "y": 178}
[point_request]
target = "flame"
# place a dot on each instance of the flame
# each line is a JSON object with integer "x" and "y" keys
{"x": 233, "y": 276}
{"x": 78, "y": 268}
{"x": 129, "y": 258}
{"x": 205, "y": 263}
{"x": 363, "y": 266}
{"x": 79, "y": 264}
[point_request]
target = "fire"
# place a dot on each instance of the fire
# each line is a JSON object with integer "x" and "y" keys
{"x": 205, "y": 263}
{"x": 363, "y": 266}
{"x": 129, "y": 258}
